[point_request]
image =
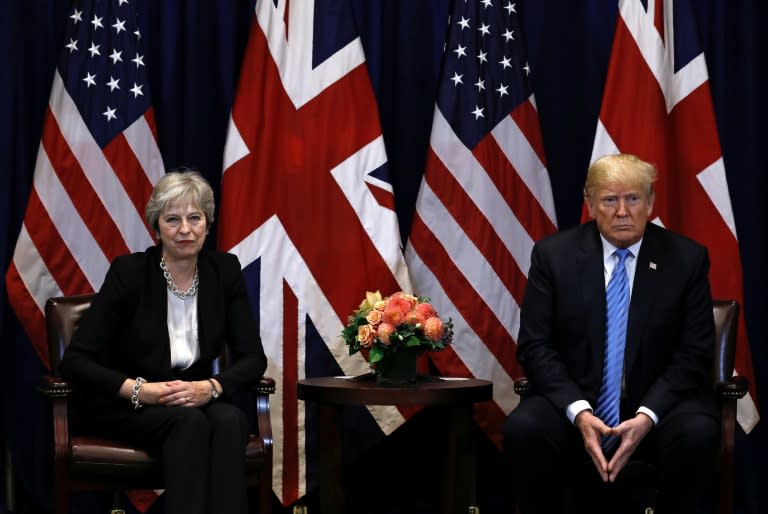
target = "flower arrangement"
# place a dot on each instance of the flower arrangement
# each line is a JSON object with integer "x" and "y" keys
{"x": 386, "y": 325}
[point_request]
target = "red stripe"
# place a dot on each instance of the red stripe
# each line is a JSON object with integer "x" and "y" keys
{"x": 60, "y": 262}
{"x": 658, "y": 17}
{"x": 470, "y": 305}
{"x": 150, "y": 117}
{"x": 383, "y": 197}
{"x": 526, "y": 117}
{"x": 28, "y": 313}
{"x": 85, "y": 200}
{"x": 290, "y": 406}
{"x": 515, "y": 192}
{"x": 129, "y": 172}
{"x": 474, "y": 224}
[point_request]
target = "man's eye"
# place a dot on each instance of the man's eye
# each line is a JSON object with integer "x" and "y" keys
{"x": 633, "y": 200}
{"x": 609, "y": 202}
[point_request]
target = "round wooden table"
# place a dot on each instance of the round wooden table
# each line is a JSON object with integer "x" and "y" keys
{"x": 456, "y": 394}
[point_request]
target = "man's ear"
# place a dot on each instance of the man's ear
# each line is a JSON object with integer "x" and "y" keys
{"x": 590, "y": 207}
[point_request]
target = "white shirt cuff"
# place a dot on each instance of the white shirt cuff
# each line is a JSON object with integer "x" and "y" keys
{"x": 573, "y": 409}
{"x": 648, "y": 412}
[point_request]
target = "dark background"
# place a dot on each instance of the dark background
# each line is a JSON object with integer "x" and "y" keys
{"x": 193, "y": 50}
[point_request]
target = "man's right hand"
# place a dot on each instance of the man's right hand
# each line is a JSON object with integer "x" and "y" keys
{"x": 592, "y": 430}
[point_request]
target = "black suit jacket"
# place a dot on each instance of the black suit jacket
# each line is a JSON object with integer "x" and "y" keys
{"x": 670, "y": 331}
{"x": 125, "y": 333}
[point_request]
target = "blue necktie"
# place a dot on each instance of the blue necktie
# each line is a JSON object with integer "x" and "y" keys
{"x": 617, "y": 307}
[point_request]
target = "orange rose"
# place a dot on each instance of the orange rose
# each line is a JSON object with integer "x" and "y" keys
{"x": 365, "y": 335}
{"x": 380, "y": 305}
{"x": 374, "y": 318}
{"x": 385, "y": 330}
{"x": 434, "y": 329}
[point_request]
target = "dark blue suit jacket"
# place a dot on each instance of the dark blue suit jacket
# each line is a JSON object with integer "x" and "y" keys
{"x": 670, "y": 331}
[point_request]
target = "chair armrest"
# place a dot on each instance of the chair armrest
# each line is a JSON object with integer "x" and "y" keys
{"x": 266, "y": 385}
{"x": 521, "y": 386}
{"x": 733, "y": 388}
{"x": 55, "y": 387}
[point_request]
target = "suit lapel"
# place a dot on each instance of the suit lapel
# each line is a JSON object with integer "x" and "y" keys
{"x": 593, "y": 288}
{"x": 644, "y": 288}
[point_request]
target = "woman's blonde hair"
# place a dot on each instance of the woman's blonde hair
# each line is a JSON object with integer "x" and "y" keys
{"x": 185, "y": 186}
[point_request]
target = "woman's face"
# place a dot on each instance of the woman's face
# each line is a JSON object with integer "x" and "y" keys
{"x": 183, "y": 228}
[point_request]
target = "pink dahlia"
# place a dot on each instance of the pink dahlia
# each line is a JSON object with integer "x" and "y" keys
{"x": 434, "y": 329}
{"x": 415, "y": 318}
{"x": 426, "y": 310}
{"x": 384, "y": 331}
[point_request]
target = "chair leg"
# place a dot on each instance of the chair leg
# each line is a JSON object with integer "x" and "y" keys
{"x": 61, "y": 497}
{"x": 265, "y": 494}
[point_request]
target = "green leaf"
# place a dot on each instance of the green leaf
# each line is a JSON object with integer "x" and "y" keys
{"x": 376, "y": 354}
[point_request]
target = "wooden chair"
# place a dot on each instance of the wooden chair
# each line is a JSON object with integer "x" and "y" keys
{"x": 729, "y": 388}
{"x": 98, "y": 464}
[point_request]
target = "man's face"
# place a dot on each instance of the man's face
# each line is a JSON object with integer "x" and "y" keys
{"x": 621, "y": 212}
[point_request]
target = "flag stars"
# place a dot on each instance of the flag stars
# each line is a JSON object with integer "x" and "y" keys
{"x": 505, "y": 63}
{"x": 482, "y": 57}
{"x": 484, "y": 29}
{"x": 461, "y": 51}
{"x": 480, "y": 84}
{"x": 72, "y": 45}
{"x": 139, "y": 60}
{"x": 527, "y": 69}
{"x": 121, "y": 2}
{"x": 110, "y": 114}
{"x": 487, "y": 3}
{"x": 478, "y": 112}
{"x": 510, "y": 7}
{"x": 137, "y": 33}
{"x": 502, "y": 90}
{"x": 456, "y": 79}
{"x": 119, "y": 26}
{"x": 463, "y": 22}
{"x": 96, "y": 22}
{"x": 509, "y": 35}
{"x": 116, "y": 56}
{"x": 89, "y": 79}
{"x": 94, "y": 49}
{"x": 136, "y": 90}
{"x": 77, "y": 16}
{"x": 113, "y": 84}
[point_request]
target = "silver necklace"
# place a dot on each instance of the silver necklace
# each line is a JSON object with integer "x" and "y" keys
{"x": 172, "y": 285}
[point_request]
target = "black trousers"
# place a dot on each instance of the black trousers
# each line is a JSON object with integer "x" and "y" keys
{"x": 545, "y": 456}
{"x": 202, "y": 451}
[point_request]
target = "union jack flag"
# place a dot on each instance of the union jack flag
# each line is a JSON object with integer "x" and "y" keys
{"x": 658, "y": 105}
{"x": 484, "y": 200}
{"x": 308, "y": 208}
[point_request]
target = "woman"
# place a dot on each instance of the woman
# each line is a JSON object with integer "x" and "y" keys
{"x": 141, "y": 356}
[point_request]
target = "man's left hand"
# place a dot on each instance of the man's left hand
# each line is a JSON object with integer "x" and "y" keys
{"x": 631, "y": 432}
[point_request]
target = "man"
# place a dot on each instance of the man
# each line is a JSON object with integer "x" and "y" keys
{"x": 653, "y": 322}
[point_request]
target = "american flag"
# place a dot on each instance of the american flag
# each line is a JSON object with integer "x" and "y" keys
{"x": 658, "y": 105}
{"x": 308, "y": 208}
{"x": 484, "y": 200}
{"x": 97, "y": 162}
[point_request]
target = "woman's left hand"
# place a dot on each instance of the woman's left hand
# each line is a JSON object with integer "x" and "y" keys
{"x": 185, "y": 394}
